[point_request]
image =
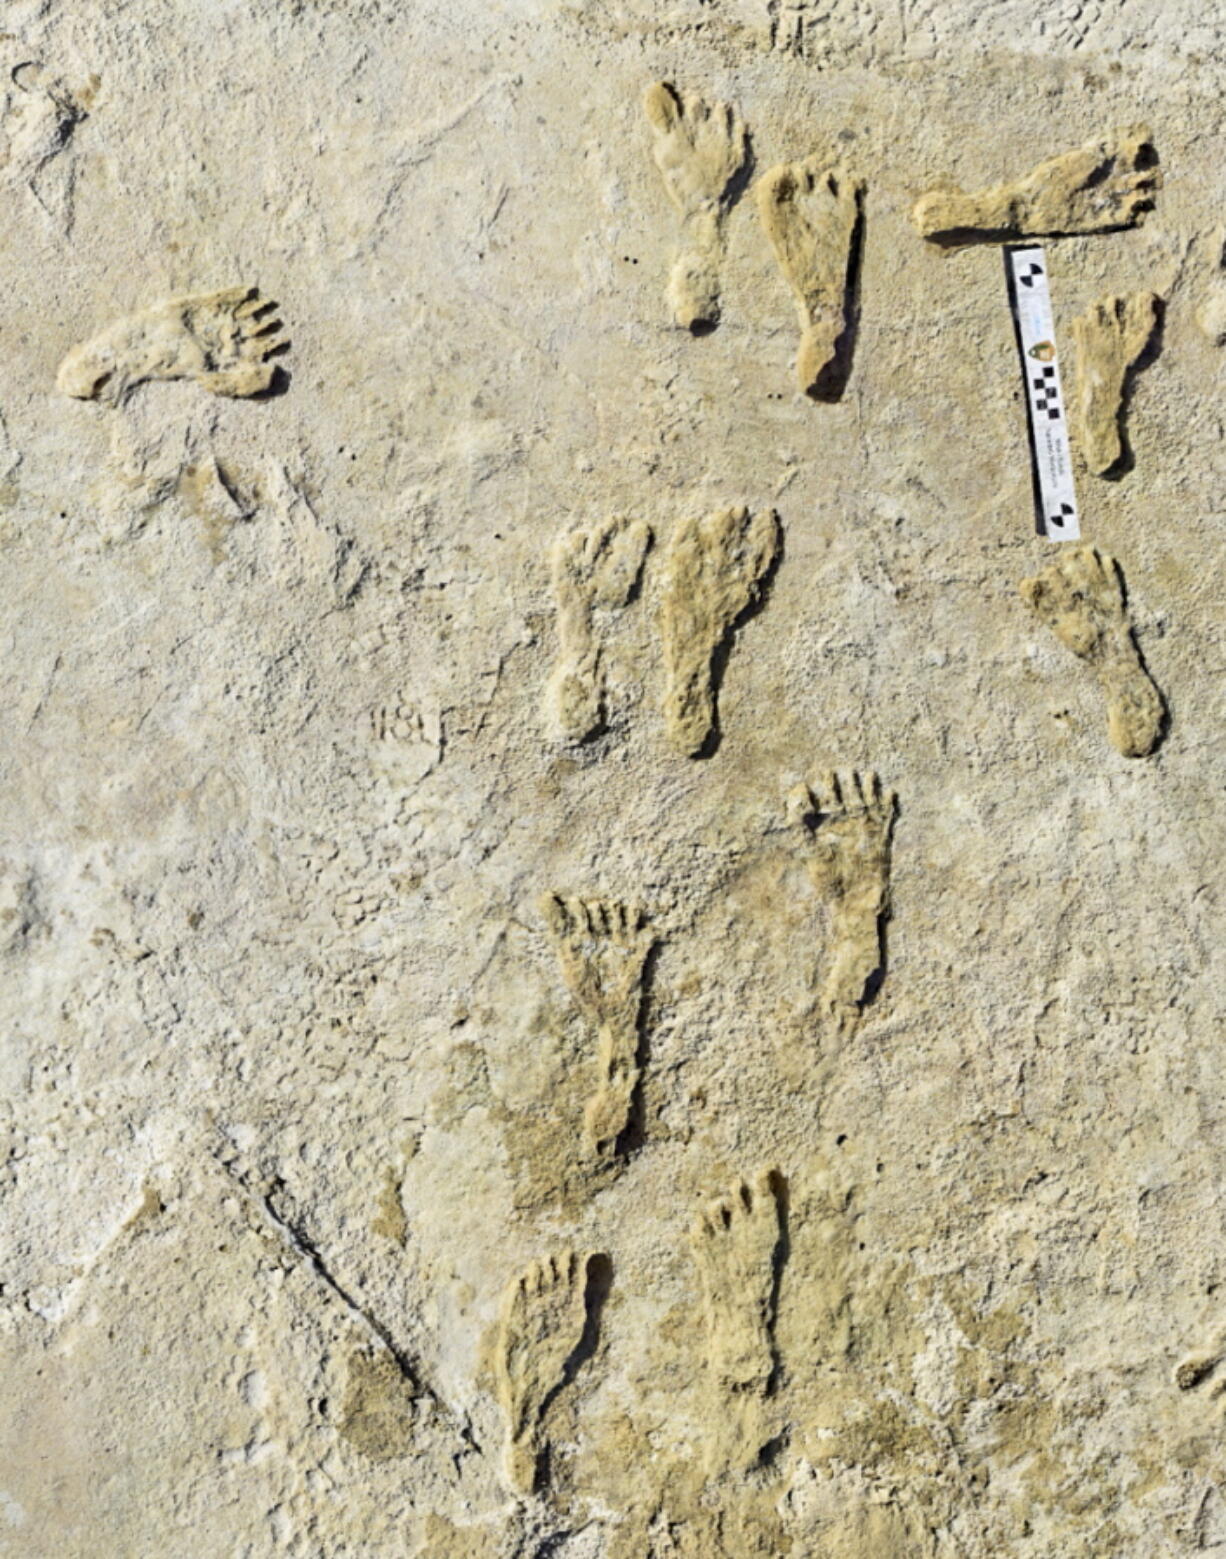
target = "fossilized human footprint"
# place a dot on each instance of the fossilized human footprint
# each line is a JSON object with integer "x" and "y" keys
{"x": 594, "y": 568}
{"x": 602, "y": 947}
{"x": 225, "y": 341}
{"x": 1102, "y": 185}
{"x": 849, "y": 821}
{"x": 1110, "y": 337}
{"x": 715, "y": 570}
{"x": 1081, "y": 599}
{"x": 735, "y": 1240}
{"x": 812, "y": 215}
{"x": 39, "y": 112}
{"x": 700, "y": 148}
{"x": 542, "y": 1323}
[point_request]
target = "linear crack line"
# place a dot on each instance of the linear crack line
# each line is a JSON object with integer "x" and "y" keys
{"x": 301, "y": 1242}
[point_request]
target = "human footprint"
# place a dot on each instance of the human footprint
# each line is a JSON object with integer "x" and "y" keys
{"x": 1081, "y": 599}
{"x": 1110, "y": 337}
{"x": 849, "y": 821}
{"x": 812, "y": 215}
{"x": 715, "y": 570}
{"x": 700, "y": 148}
{"x": 1102, "y": 185}
{"x": 603, "y": 947}
{"x": 735, "y": 1240}
{"x": 223, "y": 340}
{"x": 594, "y": 568}
{"x": 542, "y": 1323}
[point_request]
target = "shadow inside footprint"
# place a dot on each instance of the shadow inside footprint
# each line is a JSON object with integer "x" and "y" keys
{"x": 277, "y": 386}
{"x": 737, "y": 186}
{"x": 832, "y": 381}
{"x": 1151, "y": 352}
{"x": 599, "y": 1282}
{"x": 719, "y": 656}
{"x": 779, "y": 1260}
{"x": 634, "y": 1134}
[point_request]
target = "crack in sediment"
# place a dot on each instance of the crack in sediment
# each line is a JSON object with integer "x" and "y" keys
{"x": 304, "y": 1246}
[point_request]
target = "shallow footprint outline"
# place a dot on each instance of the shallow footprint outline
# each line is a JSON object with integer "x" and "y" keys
{"x": 225, "y": 341}
{"x": 1081, "y": 598}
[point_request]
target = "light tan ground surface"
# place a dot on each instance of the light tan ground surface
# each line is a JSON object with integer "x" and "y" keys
{"x": 339, "y": 1208}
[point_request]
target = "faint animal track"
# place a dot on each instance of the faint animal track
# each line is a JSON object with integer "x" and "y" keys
{"x": 1100, "y": 186}
{"x": 701, "y": 149}
{"x": 602, "y": 947}
{"x": 735, "y": 1241}
{"x": 1111, "y": 336}
{"x": 225, "y": 341}
{"x": 543, "y": 1321}
{"x": 715, "y": 570}
{"x": 593, "y": 568}
{"x": 812, "y": 215}
{"x": 39, "y": 114}
{"x": 1081, "y": 599}
{"x": 849, "y": 822}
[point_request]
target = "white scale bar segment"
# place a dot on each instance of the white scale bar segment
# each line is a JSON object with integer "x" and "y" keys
{"x": 1036, "y": 333}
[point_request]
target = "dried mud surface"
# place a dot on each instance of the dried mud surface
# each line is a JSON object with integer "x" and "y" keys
{"x": 583, "y": 976}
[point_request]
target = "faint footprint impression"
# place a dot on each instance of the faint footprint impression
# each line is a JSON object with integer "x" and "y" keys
{"x": 255, "y": 1441}
{"x": 225, "y": 341}
{"x": 1082, "y": 600}
{"x": 1211, "y": 311}
{"x": 701, "y": 150}
{"x": 38, "y": 114}
{"x": 602, "y": 947}
{"x": 736, "y": 1242}
{"x": 1110, "y": 336}
{"x": 544, "y": 1319}
{"x": 380, "y": 1405}
{"x": 715, "y": 570}
{"x": 1100, "y": 186}
{"x": 594, "y": 568}
{"x": 813, "y": 216}
{"x": 849, "y": 822}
